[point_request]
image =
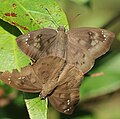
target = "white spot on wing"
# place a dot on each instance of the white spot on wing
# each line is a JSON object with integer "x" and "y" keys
{"x": 19, "y": 78}
{"x": 9, "y": 79}
{"x": 68, "y": 102}
{"x": 28, "y": 35}
{"x": 67, "y": 110}
{"x": 26, "y": 39}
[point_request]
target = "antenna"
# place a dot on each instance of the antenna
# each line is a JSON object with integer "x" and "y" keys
{"x": 53, "y": 20}
{"x": 55, "y": 23}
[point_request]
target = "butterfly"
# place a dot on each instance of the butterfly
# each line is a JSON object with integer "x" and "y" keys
{"x": 61, "y": 58}
{"x": 79, "y": 47}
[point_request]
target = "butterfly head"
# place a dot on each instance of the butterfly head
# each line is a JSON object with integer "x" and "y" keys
{"x": 61, "y": 28}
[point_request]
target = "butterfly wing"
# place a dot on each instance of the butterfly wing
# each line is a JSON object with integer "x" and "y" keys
{"x": 33, "y": 77}
{"x": 66, "y": 95}
{"x": 22, "y": 81}
{"x": 87, "y": 44}
{"x": 48, "y": 72}
{"x": 36, "y": 42}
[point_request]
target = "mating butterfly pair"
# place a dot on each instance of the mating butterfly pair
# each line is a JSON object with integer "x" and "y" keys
{"x": 61, "y": 59}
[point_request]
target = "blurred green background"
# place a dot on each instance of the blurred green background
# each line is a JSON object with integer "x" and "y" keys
{"x": 100, "y": 95}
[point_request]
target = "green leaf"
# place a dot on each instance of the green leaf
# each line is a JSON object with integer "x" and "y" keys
{"x": 11, "y": 56}
{"x": 108, "y": 82}
{"x": 37, "y": 109}
{"x": 118, "y": 37}
{"x": 30, "y": 15}
{"x": 27, "y": 16}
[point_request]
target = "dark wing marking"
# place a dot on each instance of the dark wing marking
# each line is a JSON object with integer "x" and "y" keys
{"x": 87, "y": 44}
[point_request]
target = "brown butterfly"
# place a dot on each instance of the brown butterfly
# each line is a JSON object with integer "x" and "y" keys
{"x": 61, "y": 60}
{"x": 51, "y": 77}
{"x": 79, "y": 47}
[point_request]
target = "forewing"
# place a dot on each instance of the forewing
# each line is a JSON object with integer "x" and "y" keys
{"x": 36, "y": 42}
{"x": 22, "y": 81}
{"x": 87, "y": 44}
{"x": 66, "y": 96}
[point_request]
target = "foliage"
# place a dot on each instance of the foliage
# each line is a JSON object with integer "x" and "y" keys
{"x": 30, "y": 15}
{"x": 26, "y": 16}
